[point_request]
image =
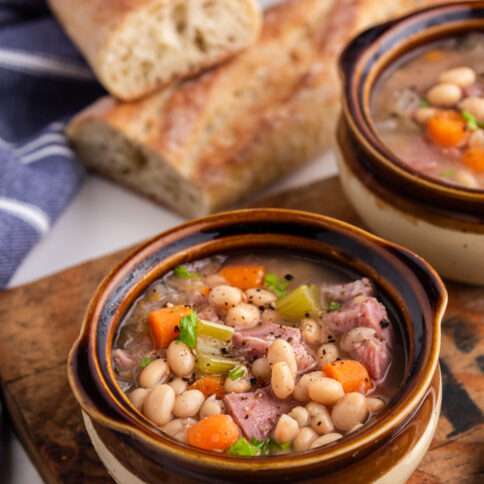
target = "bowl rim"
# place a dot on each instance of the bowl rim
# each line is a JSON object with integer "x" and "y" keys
{"x": 298, "y": 460}
{"x": 358, "y": 89}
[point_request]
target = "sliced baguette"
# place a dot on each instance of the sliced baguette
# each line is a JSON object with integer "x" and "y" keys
{"x": 204, "y": 144}
{"x": 136, "y": 46}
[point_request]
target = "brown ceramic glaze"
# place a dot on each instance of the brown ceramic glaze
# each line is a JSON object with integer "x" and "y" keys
{"x": 362, "y": 63}
{"x": 410, "y": 288}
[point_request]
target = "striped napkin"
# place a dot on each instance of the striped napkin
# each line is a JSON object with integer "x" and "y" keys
{"x": 43, "y": 81}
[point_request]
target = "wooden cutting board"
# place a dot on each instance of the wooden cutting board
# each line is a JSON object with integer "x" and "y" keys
{"x": 39, "y": 322}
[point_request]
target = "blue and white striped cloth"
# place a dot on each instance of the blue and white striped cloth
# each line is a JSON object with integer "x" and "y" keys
{"x": 43, "y": 81}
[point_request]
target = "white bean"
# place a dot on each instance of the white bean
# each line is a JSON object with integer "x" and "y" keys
{"x": 301, "y": 388}
{"x": 177, "y": 425}
{"x": 305, "y": 437}
{"x": 349, "y": 411}
{"x": 155, "y": 373}
{"x": 286, "y": 429}
{"x": 325, "y": 391}
{"x": 180, "y": 358}
{"x": 466, "y": 178}
{"x": 281, "y": 350}
{"x": 271, "y": 316}
{"x": 225, "y": 296}
{"x": 261, "y": 369}
{"x": 300, "y": 415}
{"x": 211, "y": 406}
{"x": 159, "y": 403}
{"x": 475, "y": 106}
{"x": 422, "y": 115}
{"x": 260, "y": 297}
{"x": 244, "y": 316}
{"x": 314, "y": 408}
{"x": 282, "y": 380}
{"x": 476, "y": 139}
{"x": 325, "y": 440}
{"x": 461, "y": 76}
{"x": 327, "y": 353}
{"x": 241, "y": 385}
{"x": 188, "y": 403}
{"x": 355, "y": 336}
{"x": 179, "y": 385}
{"x": 374, "y": 404}
{"x": 137, "y": 397}
{"x": 321, "y": 423}
{"x": 311, "y": 331}
{"x": 444, "y": 94}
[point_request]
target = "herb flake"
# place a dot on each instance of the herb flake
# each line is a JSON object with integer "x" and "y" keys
{"x": 146, "y": 360}
{"x": 471, "y": 121}
{"x": 276, "y": 284}
{"x": 184, "y": 273}
{"x": 334, "y": 306}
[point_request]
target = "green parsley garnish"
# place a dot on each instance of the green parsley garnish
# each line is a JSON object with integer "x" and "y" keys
{"x": 145, "y": 362}
{"x": 334, "y": 306}
{"x": 188, "y": 329}
{"x": 471, "y": 121}
{"x": 276, "y": 284}
{"x": 237, "y": 372}
{"x": 244, "y": 448}
{"x": 424, "y": 103}
{"x": 450, "y": 173}
{"x": 184, "y": 273}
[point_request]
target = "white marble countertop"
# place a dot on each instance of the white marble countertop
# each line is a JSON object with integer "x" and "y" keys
{"x": 101, "y": 219}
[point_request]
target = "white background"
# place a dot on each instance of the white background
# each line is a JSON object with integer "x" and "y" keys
{"x": 101, "y": 219}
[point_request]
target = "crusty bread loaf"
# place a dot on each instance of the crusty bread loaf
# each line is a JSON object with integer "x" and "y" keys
{"x": 204, "y": 144}
{"x": 135, "y": 46}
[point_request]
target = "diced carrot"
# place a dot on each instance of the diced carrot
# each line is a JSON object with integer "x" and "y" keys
{"x": 209, "y": 385}
{"x": 164, "y": 324}
{"x": 433, "y": 55}
{"x": 205, "y": 291}
{"x": 350, "y": 373}
{"x": 243, "y": 276}
{"x": 473, "y": 157}
{"x": 447, "y": 129}
{"x": 217, "y": 432}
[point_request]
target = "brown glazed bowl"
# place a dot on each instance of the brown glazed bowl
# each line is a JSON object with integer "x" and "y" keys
{"x": 387, "y": 450}
{"x": 443, "y": 223}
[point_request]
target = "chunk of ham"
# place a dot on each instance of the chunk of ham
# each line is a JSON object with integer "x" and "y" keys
{"x": 256, "y": 413}
{"x": 367, "y": 312}
{"x": 375, "y": 355}
{"x": 123, "y": 360}
{"x": 254, "y": 343}
{"x": 344, "y": 292}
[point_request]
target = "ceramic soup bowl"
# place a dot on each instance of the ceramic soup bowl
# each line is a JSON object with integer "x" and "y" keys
{"x": 442, "y": 222}
{"x": 386, "y": 450}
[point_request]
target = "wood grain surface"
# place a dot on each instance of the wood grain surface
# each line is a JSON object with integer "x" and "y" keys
{"x": 40, "y": 321}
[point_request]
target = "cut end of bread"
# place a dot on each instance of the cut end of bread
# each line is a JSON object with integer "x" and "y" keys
{"x": 166, "y": 40}
{"x": 103, "y": 148}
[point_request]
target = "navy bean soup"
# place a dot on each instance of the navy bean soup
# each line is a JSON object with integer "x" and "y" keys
{"x": 428, "y": 108}
{"x": 259, "y": 354}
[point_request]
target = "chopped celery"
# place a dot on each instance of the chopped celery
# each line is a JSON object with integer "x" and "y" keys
{"x": 214, "y": 365}
{"x": 300, "y": 303}
{"x": 210, "y": 346}
{"x": 215, "y": 330}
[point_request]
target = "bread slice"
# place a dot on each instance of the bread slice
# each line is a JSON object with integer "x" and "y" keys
{"x": 136, "y": 46}
{"x": 204, "y": 144}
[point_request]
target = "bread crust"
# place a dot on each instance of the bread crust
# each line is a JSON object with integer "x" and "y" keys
{"x": 95, "y": 27}
{"x": 238, "y": 127}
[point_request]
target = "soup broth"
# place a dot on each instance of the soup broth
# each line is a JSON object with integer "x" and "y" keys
{"x": 259, "y": 354}
{"x": 428, "y": 108}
